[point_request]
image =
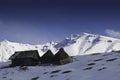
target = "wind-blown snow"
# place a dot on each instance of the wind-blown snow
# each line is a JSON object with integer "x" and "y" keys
{"x": 79, "y": 44}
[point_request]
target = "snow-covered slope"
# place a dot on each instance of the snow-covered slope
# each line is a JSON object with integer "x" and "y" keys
{"x": 79, "y": 44}
{"x": 85, "y": 67}
{"x": 8, "y": 48}
{"x": 89, "y": 43}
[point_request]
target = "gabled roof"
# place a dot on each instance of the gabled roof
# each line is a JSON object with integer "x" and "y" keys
{"x": 47, "y": 57}
{"x": 61, "y": 57}
{"x": 25, "y": 54}
{"x": 61, "y": 54}
{"x": 48, "y": 54}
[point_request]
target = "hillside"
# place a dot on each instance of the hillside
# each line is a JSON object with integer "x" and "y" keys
{"x": 85, "y": 67}
{"x": 79, "y": 44}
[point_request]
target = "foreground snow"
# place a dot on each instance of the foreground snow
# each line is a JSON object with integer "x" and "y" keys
{"x": 104, "y": 66}
{"x": 79, "y": 44}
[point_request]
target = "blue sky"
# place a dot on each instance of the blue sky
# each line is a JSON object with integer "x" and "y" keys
{"x": 41, "y": 21}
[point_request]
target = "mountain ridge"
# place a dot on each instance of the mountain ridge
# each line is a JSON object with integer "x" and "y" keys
{"x": 78, "y": 44}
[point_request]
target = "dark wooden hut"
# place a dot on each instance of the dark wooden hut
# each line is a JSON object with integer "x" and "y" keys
{"x": 25, "y": 58}
{"x": 47, "y": 57}
{"x": 61, "y": 57}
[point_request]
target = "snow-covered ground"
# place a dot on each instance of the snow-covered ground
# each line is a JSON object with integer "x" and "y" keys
{"x": 78, "y": 44}
{"x": 104, "y": 66}
{"x": 94, "y": 59}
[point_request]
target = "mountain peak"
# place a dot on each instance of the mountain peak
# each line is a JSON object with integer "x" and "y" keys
{"x": 86, "y": 43}
{"x": 76, "y": 36}
{"x": 77, "y": 44}
{"x": 5, "y": 42}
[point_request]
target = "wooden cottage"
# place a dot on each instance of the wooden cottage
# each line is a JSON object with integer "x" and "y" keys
{"x": 25, "y": 58}
{"x": 61, "y": 57}
{"x": 47, "y": 57}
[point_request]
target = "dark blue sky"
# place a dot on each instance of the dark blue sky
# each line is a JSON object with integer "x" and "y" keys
{"x": 40, "y": 21}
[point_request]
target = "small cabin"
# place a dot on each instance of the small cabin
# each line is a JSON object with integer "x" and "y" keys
{"x": 47, "y": 57}
{"x": 61, "y": 57}
{"x": 25, "y": 58}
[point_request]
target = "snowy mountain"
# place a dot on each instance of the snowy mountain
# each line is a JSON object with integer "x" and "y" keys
{"x": 85, "y": 67}
{"x": 79, "y": 44}
{"x": 8, "y": 48}
{"x": 88, "y": 62}
{"x": 89, "y": 43}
